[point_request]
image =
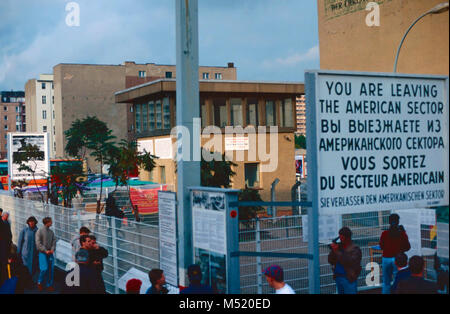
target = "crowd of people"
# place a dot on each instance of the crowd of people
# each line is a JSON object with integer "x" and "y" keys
{"x": 30, "y": 264}
{"x": 400, "y": 275}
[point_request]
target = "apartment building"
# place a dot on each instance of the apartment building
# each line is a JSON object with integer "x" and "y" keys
{"x": 300, "y": 113}
{"x": 82, "y": 90}
{"x": 222, "y": 104}
{"x": 12, "y": 106}
{"x": 40, "y": 104}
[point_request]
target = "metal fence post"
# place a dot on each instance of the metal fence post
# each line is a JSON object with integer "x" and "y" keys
{"x": 272, "y": 210}
{"x": 114, "y": 255}
{"x": 258, "y": 258}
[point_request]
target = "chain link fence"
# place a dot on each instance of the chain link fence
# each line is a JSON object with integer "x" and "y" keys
{"x": 288, "y": 234}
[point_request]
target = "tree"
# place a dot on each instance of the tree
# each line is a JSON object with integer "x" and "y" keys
{"x": 67, "y": 179}
{"x": 125, "y": 159}
{"x": 216, "y": 173}
{"x": 94, "y": 136}
{"x": 249, "y": 212}
{"x": 27, "y": 158}
{"x": 300, "y": 141}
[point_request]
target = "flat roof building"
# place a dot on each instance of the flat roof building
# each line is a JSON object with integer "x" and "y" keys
{"x": 82, "y": 90}
{"x": 260, "y": 157}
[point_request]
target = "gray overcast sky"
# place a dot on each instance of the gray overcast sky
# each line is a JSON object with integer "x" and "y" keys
{"x": 266, "y": 39}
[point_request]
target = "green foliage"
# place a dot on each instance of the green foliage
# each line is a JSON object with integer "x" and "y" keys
{"x": 249, "y": 212}
{"x": 300, "y": 141}
{"x": 125, "y": 159}
{"x": 90, "y": 134}
{"x": 217, "y": 172}
{"x": 67, "y": 179}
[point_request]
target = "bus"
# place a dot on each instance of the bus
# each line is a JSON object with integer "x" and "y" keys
{"x": 39, "y": 182}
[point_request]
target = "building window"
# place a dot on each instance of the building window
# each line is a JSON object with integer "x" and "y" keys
{"x": 252, "y": 111}
{"x": 44, "y": 100}
{"x": 138, "y": 118}
{"x": 151, "y": 116}
{"x": 220, "y": 116}
{"x": 144, "y": 117}
{"x": 54, "y": 146}
{"x": 142, "y": 74}
{"x": 44, "y": 129}
{"x": 252, "y": 175}
{"x": 44, "y": 114}
{"x": 168, "y": 74}
{"x": 206, "y": 76}
{"x": 218, "y": 76}
{"x": 131, "y": 108}
{"x": 53, "y": 86}
{"x": 53, "y": 99}
{"x": 158, "y": 115}
{"x": 17, "y": 128}
{"x": 271, "y": 118}
{"x": 286, "y": 115}
{"x": 5, "y": 108}
{"x": 17, "y": 109}
{"x": 6, "y": 127}
{"x": 43, "y": 85}
{"x": 53, "y": 114}
{"x": 6, "y": 118}
{"x": 17, "y": 118}
{"x": 162, "y": 173}
{"x": 236, "y": 111}
{"x": 54, "y": 131}
{"x": 166, "y": 113}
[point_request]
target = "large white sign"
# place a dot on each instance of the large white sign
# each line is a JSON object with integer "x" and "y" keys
{"x": 163, "y": 148}
{"x": 381, "y": 141}
{"x": 168, "y": 236}
{"x": 39, "y": 164}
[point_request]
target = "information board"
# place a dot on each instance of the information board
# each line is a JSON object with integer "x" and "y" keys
{"x": 378, "y": 141}
{"x": 167, "y": 207}
{"x": 210, "y": 238}
{"x": 40, "y": 163}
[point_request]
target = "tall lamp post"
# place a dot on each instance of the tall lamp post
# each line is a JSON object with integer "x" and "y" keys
{"x": 442, "y": 7}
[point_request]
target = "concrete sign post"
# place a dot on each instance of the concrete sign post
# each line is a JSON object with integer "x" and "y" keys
{"x": 188, "y": 108}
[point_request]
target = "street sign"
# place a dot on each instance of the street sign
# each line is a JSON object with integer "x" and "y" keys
{"x": 377, "y": 141}
{"x": 41, "y": 164}
{"x": 168, "y": 258}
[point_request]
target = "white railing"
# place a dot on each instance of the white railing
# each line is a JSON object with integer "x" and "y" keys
{"x": 130, "y": 244}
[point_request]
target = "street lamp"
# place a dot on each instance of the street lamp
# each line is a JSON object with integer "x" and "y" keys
{"x": 442, "y": 7}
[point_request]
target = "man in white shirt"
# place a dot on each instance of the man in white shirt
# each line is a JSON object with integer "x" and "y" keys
{"x": 275, "y": 278}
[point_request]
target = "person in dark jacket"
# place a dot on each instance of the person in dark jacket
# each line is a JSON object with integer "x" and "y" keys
{"x": 403, "y": 272}
{"x": 96, "y": 256}
{"x": 26, "y": 247}
{"x": 345, "y": 259}
{"x": 393, "y": 241}
{"x": 88, "y": 280}
{"x": 5, "y": 246}
{"x": 19, "y": 271}
{"x": 158, "y": 281}
{"x": 416, "y": 284}
{"x": 195, "y": 282}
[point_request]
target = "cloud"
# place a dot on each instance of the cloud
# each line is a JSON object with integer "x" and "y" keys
{"x": 34, "y": 37}
{"x": 294, "y": 59}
